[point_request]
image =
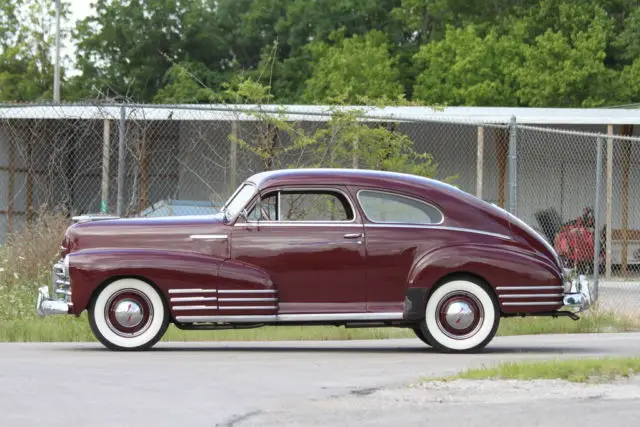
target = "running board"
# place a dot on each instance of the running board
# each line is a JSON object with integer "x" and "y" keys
{"x": 286, "y": 318}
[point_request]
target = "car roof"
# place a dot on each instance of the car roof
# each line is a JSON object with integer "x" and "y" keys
{"x": 365, "y": 177}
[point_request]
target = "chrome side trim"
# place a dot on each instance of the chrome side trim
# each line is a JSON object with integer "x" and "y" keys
{"x": 439, "y": 227}
{"x": 529, "y": 288}
{"x": 247, "y": 291}
{"x": 246, "y": 299}
{"x": 191, "y": 299}
{"x": 532, "y": 303}
{"x": 513, "y": 296}
{"x": 227, "y": 319}
{"x": 293, "y": 317}
{"x": 247, "y": 307}
{"x": 296, "y": 224}
{"x": 194, "y": 307}
{"x": 192, "y": 291}
{"x": 209, "y": 236}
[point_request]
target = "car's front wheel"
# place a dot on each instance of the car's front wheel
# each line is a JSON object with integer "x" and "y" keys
{"x": 461, "y": 315}
{"x": 421, "y": 336}
{"x": 128, "y": 314}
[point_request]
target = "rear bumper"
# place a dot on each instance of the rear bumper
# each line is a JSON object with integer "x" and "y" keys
{"x": 578, "y": 296}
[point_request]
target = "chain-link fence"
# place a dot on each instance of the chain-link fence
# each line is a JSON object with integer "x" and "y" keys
{"x": 580, "y": 188}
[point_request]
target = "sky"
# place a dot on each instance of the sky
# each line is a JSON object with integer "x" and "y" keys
{"x": 79, "y": 9}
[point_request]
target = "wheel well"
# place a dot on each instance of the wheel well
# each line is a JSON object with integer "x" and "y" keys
{"x": 463, "y": 275}
{"x": 112, "y": 279}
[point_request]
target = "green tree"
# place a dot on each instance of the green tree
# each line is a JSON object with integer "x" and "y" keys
{"x": 554, "y": 55}
{"x": 467, "y": 69}
{"x": 26, "y": 41}
{"x": 566, "y": 64}
{"x": 352, "y": 68}
{"x": 126, "y": 48}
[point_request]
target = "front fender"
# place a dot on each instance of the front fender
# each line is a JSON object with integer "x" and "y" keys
{"x": 499, "y": 266}
{"x": 90, "y": 269}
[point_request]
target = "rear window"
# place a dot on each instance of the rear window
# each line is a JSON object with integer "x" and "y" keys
{"x": 385, "y": 207}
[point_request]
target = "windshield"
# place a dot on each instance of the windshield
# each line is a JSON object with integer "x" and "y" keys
{"x": 239, "y": 200}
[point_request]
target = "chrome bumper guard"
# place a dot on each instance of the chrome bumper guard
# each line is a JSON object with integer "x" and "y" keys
{"x": 60, "y": 287}
{"x": 577, "y": 296}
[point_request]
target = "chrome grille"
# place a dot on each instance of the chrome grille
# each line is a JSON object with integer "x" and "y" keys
{"x": 60, "y": 283}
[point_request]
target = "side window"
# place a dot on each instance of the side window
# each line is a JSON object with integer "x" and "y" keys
{"x": 314, "y": 205}
{"x": 302, "y": 205}
{"x": 267, "y": 210}
{"x": 393, "y": 208}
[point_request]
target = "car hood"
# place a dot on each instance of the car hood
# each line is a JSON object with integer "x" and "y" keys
{"x": 140, "y": 233}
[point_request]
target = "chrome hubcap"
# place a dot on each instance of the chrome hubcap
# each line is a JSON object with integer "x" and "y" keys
{"x": 459, "y": 315}
{"x": 128, "y": 313}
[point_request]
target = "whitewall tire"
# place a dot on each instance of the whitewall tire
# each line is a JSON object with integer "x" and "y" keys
{"x": 128, "y": 314}
{"x": 421, "y": 336}
{"x": 461, "y": 315}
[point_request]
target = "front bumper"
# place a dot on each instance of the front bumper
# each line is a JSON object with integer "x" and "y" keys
{"x": 578, "y": 296}
{"x": 56, "y": 297}
{"x": 45, "y": 306}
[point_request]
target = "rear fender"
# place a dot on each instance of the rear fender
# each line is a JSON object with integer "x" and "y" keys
{"x": 491, "y": 264}
{"x": 495, "y": 265}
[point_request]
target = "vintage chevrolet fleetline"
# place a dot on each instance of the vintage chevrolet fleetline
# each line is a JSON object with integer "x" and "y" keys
{"x": 344, "y": 247}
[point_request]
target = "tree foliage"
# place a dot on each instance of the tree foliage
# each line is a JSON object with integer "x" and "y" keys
{"x": 350, "y": 68}
{"x": 344, "y": 140}
{"x": 26, "y": 41}
{"x": 554, "y": 53}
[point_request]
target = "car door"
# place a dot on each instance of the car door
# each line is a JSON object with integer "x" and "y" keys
{"x": 310, "y": 241}
{"x": 396, "y": 231}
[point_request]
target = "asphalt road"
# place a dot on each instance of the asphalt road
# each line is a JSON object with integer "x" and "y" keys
{"x": 299, "y": 383}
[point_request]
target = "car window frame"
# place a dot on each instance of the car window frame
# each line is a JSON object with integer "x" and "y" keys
{"x": 278, "y": 190}
{"x": 401, "y": 195}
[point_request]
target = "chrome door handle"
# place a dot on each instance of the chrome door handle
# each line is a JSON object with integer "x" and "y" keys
{"x": 352, "y": 235}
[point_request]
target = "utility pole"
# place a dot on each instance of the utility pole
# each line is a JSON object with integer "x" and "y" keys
{"x": 56, "y": 72}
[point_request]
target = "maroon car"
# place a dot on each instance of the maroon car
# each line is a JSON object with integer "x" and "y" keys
{"x": 356, "y": 248}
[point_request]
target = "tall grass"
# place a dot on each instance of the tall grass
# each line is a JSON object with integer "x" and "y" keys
{"x": 26, "y": 261}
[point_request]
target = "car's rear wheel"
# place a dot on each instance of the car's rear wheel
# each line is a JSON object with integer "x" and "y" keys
{"x": 461, "y": 315}
{"x": 128, "y": 314}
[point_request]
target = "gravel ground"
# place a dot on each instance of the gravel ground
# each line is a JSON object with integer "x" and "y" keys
{"x": 469, "y": 403}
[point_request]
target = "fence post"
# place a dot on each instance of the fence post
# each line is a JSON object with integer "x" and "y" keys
{"x": 513, "y": 160}
{"x": 354, "y": 155}
{"x": 596, "y": 255}
{"x": 106, "y": 143}
{"x": 233, "y": 157}
{"x": 480, "y": 162}
{"x": 121, "y": 165}
{"x": 609, "y": 204}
